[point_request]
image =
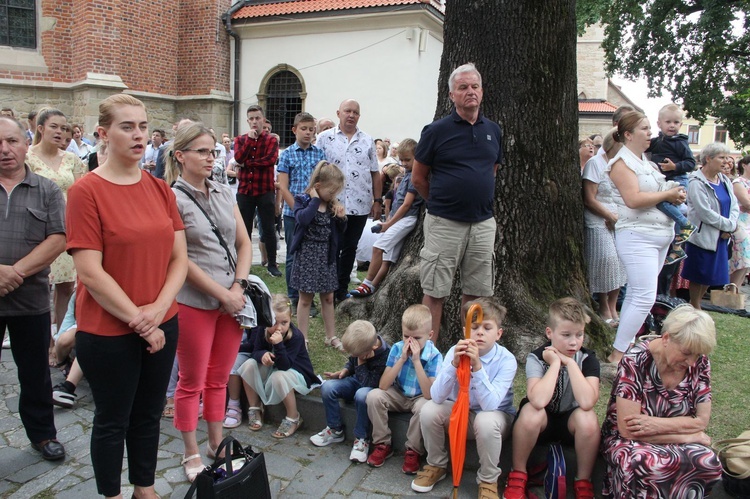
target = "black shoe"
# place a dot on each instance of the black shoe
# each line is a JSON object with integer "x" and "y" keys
{"x": 63, "y": 396}
{"x": 51, "y": 450}
{"x": 274, "y": 270}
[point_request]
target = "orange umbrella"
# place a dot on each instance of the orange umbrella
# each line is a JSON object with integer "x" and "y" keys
{"x": 460, "y": 414}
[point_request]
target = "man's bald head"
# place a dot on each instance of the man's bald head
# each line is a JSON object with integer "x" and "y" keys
{"x": 348, "y": 115}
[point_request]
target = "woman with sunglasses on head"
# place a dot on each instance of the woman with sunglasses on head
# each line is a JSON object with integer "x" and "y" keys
{"x": 128, "y": 243}
{"x": 209, "y": 334}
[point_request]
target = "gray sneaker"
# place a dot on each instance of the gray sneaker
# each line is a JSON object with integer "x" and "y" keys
{"x": 327, "y": 437}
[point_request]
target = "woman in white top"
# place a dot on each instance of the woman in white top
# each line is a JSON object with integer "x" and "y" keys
{"x": 643, "y": 233}
{"x": 606, "y": 273}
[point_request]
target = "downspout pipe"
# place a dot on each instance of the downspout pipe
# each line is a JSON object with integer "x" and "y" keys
{"x": 227, "y": 20}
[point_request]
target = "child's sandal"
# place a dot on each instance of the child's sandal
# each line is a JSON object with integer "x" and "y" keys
{"x": 255, "y": 418}
{"x": 287, "y": 428}
{"x": 233, "y": 417}
{"x": 334, "y": 342}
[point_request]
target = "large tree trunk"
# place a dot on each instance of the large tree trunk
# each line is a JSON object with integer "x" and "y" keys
{"x": 526, "y": 53}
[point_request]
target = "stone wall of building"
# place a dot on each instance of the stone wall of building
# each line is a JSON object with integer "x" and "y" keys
{"x": 592, "y": 79}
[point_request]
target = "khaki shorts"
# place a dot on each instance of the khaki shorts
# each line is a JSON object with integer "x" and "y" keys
{"x": 449, "y": 245}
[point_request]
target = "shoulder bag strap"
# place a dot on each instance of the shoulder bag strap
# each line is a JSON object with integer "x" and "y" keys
{"x": 214, "y": 228}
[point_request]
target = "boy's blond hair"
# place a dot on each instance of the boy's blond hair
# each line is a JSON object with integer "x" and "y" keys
{"x": 671, "y": 108}
{"x": 406, "y": 146}
{"x": 567, "y": 309}
{"x": 491, "y": 309}
{"x": 392, "y": 170}
{"x": 416, "y": 317}
{"x": 359, "y": 338}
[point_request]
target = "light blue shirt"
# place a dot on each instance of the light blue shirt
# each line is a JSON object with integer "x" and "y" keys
{"x": 491, "y": 387}
{"x": 407, "y": 380}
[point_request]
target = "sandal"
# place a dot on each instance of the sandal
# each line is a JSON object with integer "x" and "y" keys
{"x": 232, "y": 418}
{"x": 613, "y": 323}
{"x": 255, "y": 418}
{"x": 168, "y": 411}
{"x": 287, "y": 428}
{"x": 194, "y": 471}
{"x": 334, "y": 342}
{"x": 361, "y": 291}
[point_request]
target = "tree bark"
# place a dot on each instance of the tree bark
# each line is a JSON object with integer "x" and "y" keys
{"x": 526, "y": 53}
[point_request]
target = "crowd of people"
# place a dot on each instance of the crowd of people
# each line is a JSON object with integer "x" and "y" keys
{"x": 157, "y": 236}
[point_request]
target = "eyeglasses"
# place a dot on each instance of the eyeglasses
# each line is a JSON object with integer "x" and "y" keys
{"x": 203, "y": 153}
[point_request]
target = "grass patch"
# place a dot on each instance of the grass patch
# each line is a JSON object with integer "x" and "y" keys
{"x": 730, "y": 366}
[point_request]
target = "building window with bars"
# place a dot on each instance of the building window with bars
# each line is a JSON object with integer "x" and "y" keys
{"x": 283, "y": 102}
{"x": 720, "y": 134}
{"x": 18, "y": 23}
{"x": 693, "y": 134}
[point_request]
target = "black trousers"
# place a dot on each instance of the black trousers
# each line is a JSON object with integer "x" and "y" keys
{"x": 128, "y": 385}
{"x": 266, "y": 205}
{"x": 355, "y": 224}
{"x": 29, "y": 343}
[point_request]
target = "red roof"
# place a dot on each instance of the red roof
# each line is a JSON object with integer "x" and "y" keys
{"x": 303, "y": 6}
{"x": 596, "y": 107}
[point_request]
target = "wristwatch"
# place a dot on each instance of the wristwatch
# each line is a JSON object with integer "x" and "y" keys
{"x": 242, "y": 282}
{"x": 378, "y": 200}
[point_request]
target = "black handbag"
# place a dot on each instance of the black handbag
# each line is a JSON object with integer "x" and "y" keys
{"x": 262, "y": 305}
{"x": 241, "y": 474}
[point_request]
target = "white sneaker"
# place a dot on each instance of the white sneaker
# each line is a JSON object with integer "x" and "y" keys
{"x": 6, "y": 340}
{"x": 327, "y": 437}
{"x": 360, "y": 450}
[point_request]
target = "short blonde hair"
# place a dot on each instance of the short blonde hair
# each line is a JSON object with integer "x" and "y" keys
{"x": 567, "y": 309}
{"x": 671, "y": 108}
{"x": 108, "y": 106}
{"x": 359, "y": 338}
{"x": 491, "y": 309}
{"x": 691, "y": 328}
{"x": 416, "y": 317}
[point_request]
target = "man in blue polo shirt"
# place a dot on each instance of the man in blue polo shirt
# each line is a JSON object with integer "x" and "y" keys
{"x": 454, "y": 170}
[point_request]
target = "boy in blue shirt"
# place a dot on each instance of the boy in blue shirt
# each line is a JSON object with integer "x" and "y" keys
{"x": 368, "y": 355}
{"x": 490, "y": 401}
{"x": 405, "y": 386}
{"x": 296, "y": 164}
{"x": 670, "y": 150}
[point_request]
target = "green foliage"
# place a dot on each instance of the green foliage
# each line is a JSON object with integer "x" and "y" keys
{"x": 696, "y": 50}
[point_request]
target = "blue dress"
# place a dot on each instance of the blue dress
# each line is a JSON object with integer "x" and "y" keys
{"x": 710, "y": 268}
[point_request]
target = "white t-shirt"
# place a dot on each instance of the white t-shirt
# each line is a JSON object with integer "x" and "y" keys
{"x": 357, "y": 160}
{"x": 645, "y": 220}
{"x": 594, "y": 172}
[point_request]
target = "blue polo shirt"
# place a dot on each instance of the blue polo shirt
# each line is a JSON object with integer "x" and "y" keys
{"x": 462, "y": 159}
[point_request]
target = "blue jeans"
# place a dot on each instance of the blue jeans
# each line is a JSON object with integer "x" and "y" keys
{"x": 348, "y": 389}
{"x": 672, "y": 210}
{"x": 289, "y": 223}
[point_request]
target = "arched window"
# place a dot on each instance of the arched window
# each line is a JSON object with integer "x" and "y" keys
{"x": 283, "y": 100}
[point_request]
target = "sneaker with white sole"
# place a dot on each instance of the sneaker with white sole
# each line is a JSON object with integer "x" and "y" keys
{"x": 62, "y": 396}
{"x": 327, "y": 437}
{"x": 360, "y": 450}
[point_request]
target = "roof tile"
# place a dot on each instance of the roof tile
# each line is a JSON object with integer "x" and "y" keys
{"x": 596, "y": 107}
{"x": 303, "y": 6}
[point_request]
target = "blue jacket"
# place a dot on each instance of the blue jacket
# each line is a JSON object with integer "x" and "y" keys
{"x": 305, "y": 208}
{"x": 369, "y": 373}
{"x": 676, "y": 149}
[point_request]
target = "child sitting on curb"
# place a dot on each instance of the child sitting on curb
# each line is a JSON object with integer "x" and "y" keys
{"x": 562, "y": 387}
{"x": 490, "y": 401}
{"x": 405, "y": 386}
{"x": 362, "y": 373}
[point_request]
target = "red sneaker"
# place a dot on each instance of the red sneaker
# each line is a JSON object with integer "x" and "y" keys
{"x": 584, "y": 489}
{"x": 411, "y": 462}
{"x": 379, "y": 455}
{"x": 515, "y": 487}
